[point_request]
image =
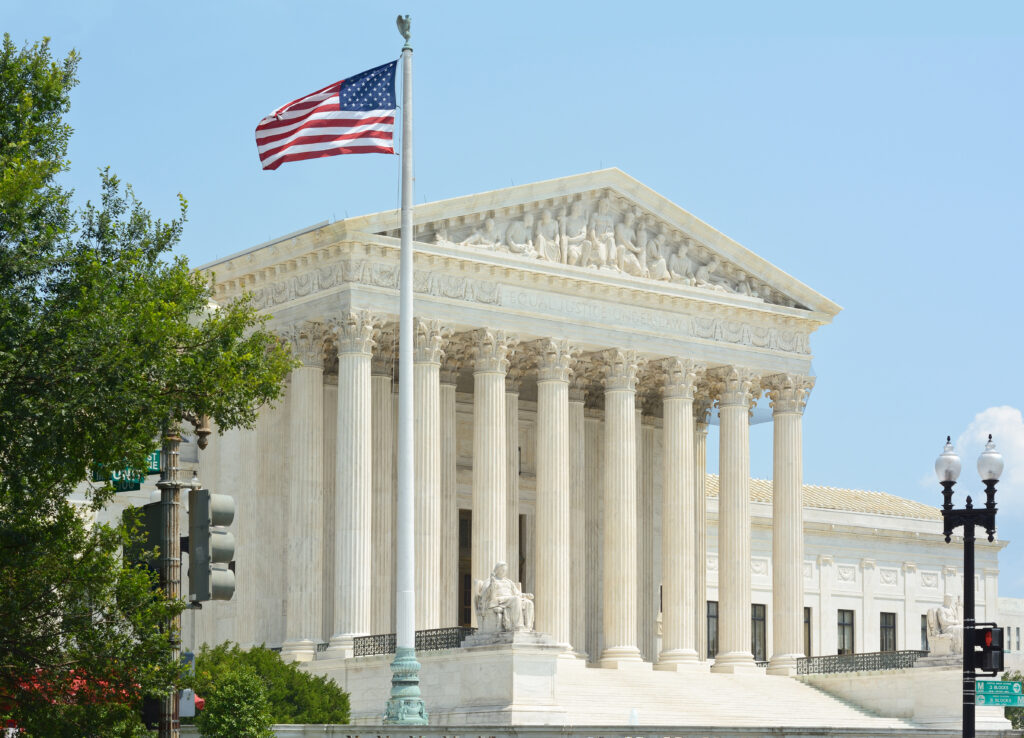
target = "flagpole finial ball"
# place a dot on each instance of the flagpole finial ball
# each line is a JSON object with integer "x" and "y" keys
{"x": 404, "y": 22}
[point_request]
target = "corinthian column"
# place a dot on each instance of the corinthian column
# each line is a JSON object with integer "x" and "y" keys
{"x": 619, "y": 607}
{"x": 679, "y": 520}
{"x": 736, "y": 393}
{"x": 577, "y": 519}
{"x": 513, "y": 380}
{"x": 701, "y": 411}
{"x": 788, "y": 395}
{"x": 449, "y": 501}
{"x": 553, "y": 532}
{"x": 383, "y": 424}
{"x": 427, "y": 429}
{"x": 304, "y": 604}
{"x": 353, "y": 519}
{"x": 490, "y": 362}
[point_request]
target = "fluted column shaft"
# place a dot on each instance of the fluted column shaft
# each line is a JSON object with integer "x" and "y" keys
{"x": 353, "y": 521}
{"x": 427, "y": 449}
{"x": 647, "y": 596}
{"x": 449, "y": 501}
{"x": 383, "y": 568}
{"x": 489, "y": 452}
{"x": 700, "y": 538}
{"x": 553, "y": 493}
{"x": 304, "y": 606}
{"x": 512, "y": 382}
{"x": 577, "y": 522}
{"x": 734, "y": 402}
{"x": 679, "y": 519}
{"x": 619, "y": 616}
{"x": 788, "y": 396}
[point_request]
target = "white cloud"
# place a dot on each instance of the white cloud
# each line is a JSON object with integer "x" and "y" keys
{"x": 1006, "y": 424}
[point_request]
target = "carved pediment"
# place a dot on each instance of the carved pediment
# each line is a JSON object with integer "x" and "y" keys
{"x": 599, "y": 230}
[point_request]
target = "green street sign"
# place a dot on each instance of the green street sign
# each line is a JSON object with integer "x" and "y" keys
{"x": 153, "y": 463}
{"x": 993, "y": 686}
{"x": 999, "y": 700}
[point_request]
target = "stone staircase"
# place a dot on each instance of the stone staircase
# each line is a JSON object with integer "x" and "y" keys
{"x": 593, "y": 696}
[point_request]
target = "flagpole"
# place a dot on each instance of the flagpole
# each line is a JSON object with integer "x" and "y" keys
{"x": 405, "y": 707}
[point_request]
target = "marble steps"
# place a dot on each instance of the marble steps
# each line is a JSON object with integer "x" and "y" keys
{"x": 599, "y": 696}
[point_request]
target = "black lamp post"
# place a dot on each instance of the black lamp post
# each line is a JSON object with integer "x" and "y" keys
{"x": 947, "y": 467}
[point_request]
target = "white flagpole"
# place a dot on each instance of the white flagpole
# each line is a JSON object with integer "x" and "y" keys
{"x": 405, "y": 707}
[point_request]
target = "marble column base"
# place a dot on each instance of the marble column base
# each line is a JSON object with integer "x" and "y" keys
{"x": 623, "y": 657}
{"x": 681, "y": 659}
{"x": 736, "y": 662}
{"x": 304, "y": 650}
{"x": 340, "y": 647}
{"x": 783, "y": 664}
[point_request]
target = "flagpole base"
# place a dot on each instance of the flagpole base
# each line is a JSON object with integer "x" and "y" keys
{"x": 405, "y": 707}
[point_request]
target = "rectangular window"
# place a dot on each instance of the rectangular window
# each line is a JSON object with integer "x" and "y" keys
{"x": 887, "y": 633}
{"x": 807, "y": 632}
{"x": 757, "y": 633}
{"x": 924, "y": 632}
{"x": 712, "y": 629}
{"x": 1018, "y": 638}
{"x": 845, "y": 632}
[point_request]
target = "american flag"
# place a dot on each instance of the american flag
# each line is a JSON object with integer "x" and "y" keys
{"x": 353, "y": 116}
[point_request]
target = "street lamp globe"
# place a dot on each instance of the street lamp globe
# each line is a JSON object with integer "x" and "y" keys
{"x": 990, "y": 463}
{"x": 947, "y": 466}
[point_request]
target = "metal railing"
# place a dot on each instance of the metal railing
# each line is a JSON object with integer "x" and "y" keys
{"x": 874, "y": 661}
{"x": 437, "y": 639}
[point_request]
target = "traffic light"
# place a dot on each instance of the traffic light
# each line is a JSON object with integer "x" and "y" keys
{"x": 209, "y": 545}
{"x": 990, "y": 640}
{"x": 150, "y": 522}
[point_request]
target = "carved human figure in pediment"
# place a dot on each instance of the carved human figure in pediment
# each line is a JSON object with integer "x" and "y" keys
{"x": 629, "y": 257}
{"x": 575, "y": 243}
{"x": 546, "y": 238}
{"x": 680, "y": 267}
{"x": 441, "y": 234}
{"x": 489, "y": 235}
{"x": 652, "y": 244}
{"x": 519, "y": 236}
{"x": 602, "y": 236}
{"x": 707, "y": 275}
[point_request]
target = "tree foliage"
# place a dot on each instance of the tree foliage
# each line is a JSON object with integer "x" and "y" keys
{"x": 236, "y": 708}
{"x": 106, "y": 338}
{"x": 293, "y": 695}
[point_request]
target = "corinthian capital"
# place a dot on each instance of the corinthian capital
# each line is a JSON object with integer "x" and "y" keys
{"x": 490, "y": 350}
{"x": 788, "y": 392}
{"x": 451, "y": 365}
{"x": 554, "y": 357}
{"x": 307, "y": 342}
{"x": 620, "y": 367}
{"x": 354, "y": 332}
{"x": 736, "y": 385}
{"x": 681, "y": 377}
{"x": 428, "y": 340}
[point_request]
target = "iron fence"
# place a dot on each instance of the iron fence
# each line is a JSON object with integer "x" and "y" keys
{"x": 874, "y": 661}
{"x": 437, "y": 639}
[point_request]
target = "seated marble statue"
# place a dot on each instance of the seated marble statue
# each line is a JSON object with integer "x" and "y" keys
{"x": 945, "y": 629}
{"x": 489, "y": 235}
{"x": 501, "y": 605}
{"x": 519, "y": 237}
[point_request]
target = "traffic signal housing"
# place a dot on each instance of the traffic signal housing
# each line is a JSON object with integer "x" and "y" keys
{"x": 150, "y": 526}
{"x": 990, "y": 640}
{"x": 211, "y": 548}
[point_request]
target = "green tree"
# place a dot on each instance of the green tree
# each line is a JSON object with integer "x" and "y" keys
{"x": 1014, "y": 714}
{"x": 236, "y": 707}
{"x": 294, "y": 696}
{"x": 106, "y": 339}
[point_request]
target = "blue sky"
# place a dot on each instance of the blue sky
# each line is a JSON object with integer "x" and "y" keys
{"x": 872, "y": 150}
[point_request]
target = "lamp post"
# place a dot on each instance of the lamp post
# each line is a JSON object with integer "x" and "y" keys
{"x": 947, "y": 468}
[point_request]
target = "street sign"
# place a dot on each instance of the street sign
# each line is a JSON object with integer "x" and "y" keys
{"x": 153, "y": 463}
{"x": 993, "y": 686}
{"x": 1000, "y": 700}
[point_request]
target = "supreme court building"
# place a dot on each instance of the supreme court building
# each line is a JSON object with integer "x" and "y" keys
{"x": 574, "y": 340}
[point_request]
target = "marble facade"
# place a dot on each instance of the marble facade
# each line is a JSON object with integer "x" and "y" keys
{"x": 574, "y": 340}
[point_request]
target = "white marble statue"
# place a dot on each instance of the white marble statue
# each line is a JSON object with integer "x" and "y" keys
{"x": 653, "y": 246}
{"x": 680, "y": 268}
{"x": 575, "y": 245}
{"x": 629, "y": 257}
{"x": 945, "y": 629}
{"x": 546, "y": 238}
{"x": 602, "y": 237}
{"x": 489, "y": 235}
{"x": 519, "y": 237}
{"x": 501, "y": 605}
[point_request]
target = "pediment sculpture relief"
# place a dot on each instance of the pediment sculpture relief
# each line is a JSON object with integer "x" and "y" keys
{"x": 593, "y": 234}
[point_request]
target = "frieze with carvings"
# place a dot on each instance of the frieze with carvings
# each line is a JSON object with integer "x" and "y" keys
{"x": 759, "y": 567}
{"x": 888, "y": 576}
{"x": 929, "y": 580}
{"x": 605, "y": 233}
{"x": 846, "y": 573}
